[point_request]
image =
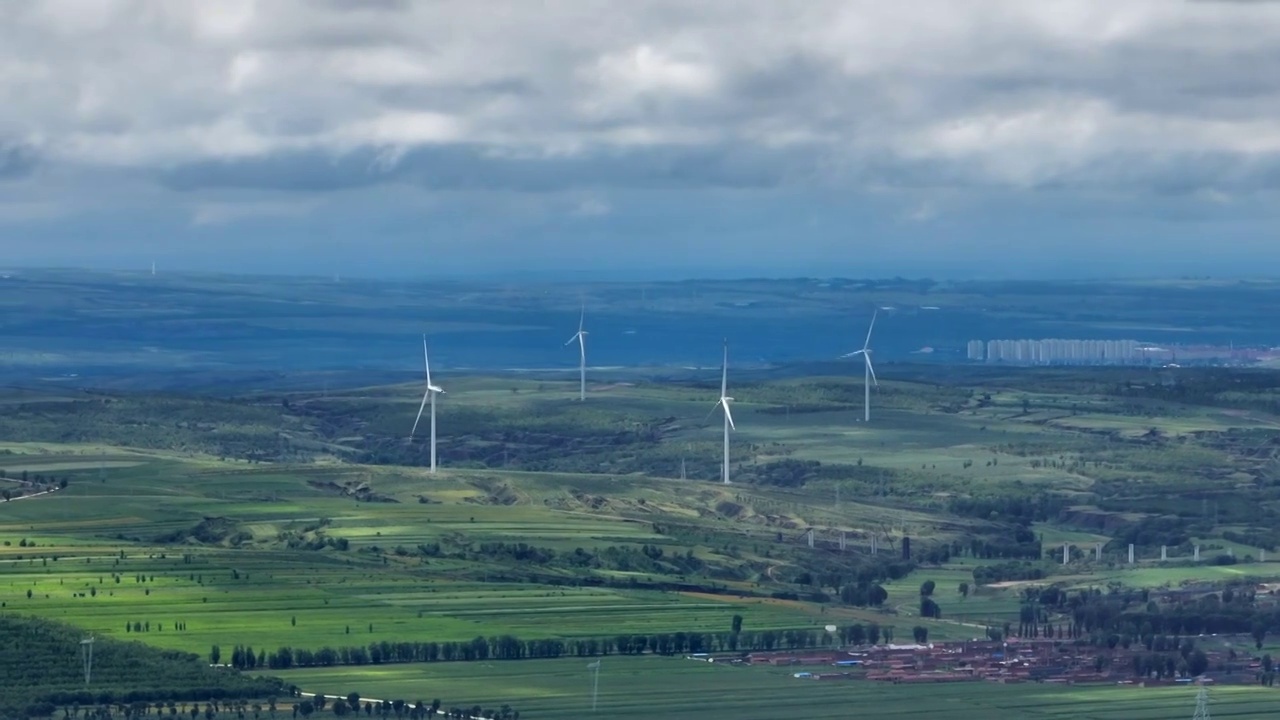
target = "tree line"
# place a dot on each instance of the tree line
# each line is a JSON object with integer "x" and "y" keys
{"x": 510, "y": 647}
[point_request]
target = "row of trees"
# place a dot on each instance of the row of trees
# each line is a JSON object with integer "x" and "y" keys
{"x": 1132, "y": 616}
{"x": 509, "y": 647}
{"x": 352, "y": 705}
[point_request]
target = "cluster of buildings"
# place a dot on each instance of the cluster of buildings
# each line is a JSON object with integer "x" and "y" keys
{"x": 1018, "y": 660}
{"x": 1055, "y": 351}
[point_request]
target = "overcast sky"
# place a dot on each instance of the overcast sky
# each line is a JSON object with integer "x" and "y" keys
{"x": 373, "y": 137}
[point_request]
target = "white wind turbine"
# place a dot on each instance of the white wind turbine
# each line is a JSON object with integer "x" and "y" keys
{"x": 724, "y": 402}
{"x": 430, "y": 395}
{"x": 581, "y": 337}
{"x": 869, "y": 376}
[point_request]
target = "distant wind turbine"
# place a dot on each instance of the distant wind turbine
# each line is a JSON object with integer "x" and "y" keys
{"x": 86, "y": 657}
{"x": 869, "y": 375}
{"x": 724, "y": 402}
{"x": 595, "y": 683}
{"x": 581, "y": 337}
{"x": 429, "y": 396}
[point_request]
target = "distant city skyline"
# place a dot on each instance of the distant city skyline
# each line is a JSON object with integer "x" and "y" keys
{"x": 1076, "y": 351}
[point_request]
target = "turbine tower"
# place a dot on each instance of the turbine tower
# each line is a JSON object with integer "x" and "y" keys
{"x": 723, "y": 402}
{"x": 869, "y": 374}
{"x": 86, "y": 657}
{"x": 595, "y": 682}
{"x": 429, "y": 396}
{"x": 581, "y": 337}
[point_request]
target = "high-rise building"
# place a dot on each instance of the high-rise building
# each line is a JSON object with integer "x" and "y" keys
{"x": 976, "y": 350}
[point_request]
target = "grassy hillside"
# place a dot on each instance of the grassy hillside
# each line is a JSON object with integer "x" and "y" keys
{"x": 42, "y": 666}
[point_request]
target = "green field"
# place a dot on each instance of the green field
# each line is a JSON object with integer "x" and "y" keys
{"x": 678, "y": 688}
{"x": 307, "y": 522}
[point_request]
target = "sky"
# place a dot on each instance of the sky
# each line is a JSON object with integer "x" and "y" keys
{"x": 645, "y": 139}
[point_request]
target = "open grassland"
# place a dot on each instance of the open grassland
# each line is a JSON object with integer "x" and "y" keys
{"x": 677, "y": 688}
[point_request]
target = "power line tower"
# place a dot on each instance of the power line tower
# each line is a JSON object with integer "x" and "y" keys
{"x": 1202, "y": 704}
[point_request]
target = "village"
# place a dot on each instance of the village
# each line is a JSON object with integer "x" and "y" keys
{"x": 1012, "y": 661}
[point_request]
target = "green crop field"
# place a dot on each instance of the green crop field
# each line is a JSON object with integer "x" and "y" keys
{"x": 678, "y": 688}
{"x": 305, "y": 521}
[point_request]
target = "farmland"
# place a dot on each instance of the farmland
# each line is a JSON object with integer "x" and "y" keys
{"x": 304, "y": 521}
{"x": 676, "y": 688}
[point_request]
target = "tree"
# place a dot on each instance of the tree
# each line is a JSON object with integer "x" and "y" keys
{"x": 926, "y": 588}
{"x": 1267, "y": 663}
{"x": 1197, "y": 663}
{"x": 1258, "y": 631}
{"x": 929, "y": 608}
{"x": 215, "y": 655}
{"x": 964, "y": 589}
{"x": 920, "y": 633}
{"x": 737, "y": 624}
{"x": 353, "y": 699}
{"x": 306, "y": 708}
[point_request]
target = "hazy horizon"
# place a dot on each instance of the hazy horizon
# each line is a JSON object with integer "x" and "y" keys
{"x": 625, "y": 275}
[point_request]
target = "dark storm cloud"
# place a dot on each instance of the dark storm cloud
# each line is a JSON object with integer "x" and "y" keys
{"x": 17, "y": 160}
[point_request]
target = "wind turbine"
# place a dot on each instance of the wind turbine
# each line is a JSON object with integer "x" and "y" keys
{"x": 723, "y": 402}
{"x": 869, "y": 375}
{"x": 581, "y": 337}
{"x": 86, "y": 657}
{"x": 430, "y": 395}
{"x": 595, "y": 683}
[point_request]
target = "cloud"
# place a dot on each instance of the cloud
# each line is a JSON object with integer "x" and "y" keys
{"x": 25, "y": 212}
{"x": 17, "y": 160}
{"x": 1014, "y": 93}
{"x": 229, "y": 112}
{"x": 222, "y": 213}
{"x": 592, "y": 207}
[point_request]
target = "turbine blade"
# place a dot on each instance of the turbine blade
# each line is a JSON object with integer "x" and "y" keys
{"x": 729, "y": 416}
{"x": 724, "y": 374}
{"x": 576, "y": 336}
{"x": 852, "y": 354}
{"x": 871, "y": 369}
{"x": 426, "y": 359}
{"x": 418, "y": 419}
{"x": 582, "y": 316}
{"x": 867, "y": 342}
{"x": 713, "y": 411}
